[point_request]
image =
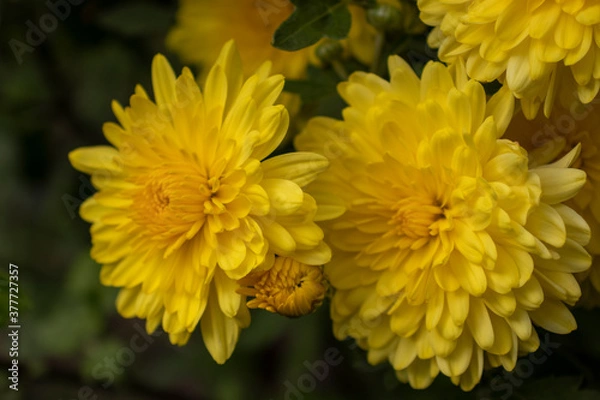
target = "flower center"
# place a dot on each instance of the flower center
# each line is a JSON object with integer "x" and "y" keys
{"x": 289, "y": 288}
{"x": 170, "y": 203}
{"x": 415, "y": 216}
{"x": 156, "y": 196}
{"x": 212, "y": 205}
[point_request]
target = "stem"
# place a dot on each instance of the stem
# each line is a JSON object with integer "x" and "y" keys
{"x": 339, "y": 69}
{"x": 379, "y": 42}
{"x": 361, "y": 3}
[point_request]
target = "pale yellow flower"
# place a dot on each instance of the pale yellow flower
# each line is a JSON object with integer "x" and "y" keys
{"x": 203, "y": 26}
{"x": 187, "y": 204}
{"x": 361, "y": 42}
{"x": 533, "y": 46}
{"x": 447, "y": 246}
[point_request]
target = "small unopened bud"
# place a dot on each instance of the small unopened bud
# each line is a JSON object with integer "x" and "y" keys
{"x": 289, "y": 288}
{"x": 329, "y": 50}
{"x": 385, "y": 17}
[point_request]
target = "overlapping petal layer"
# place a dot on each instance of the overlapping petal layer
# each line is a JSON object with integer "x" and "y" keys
{"x": 547, "y": 139}
{"x": 536, "y": 47}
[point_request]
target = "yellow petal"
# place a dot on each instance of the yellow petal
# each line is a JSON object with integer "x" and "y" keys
{"x": 300, "y": 167}
{"x": 405, "y": 353}
{"x": 531, "y": 295}
{"x": 229, "y": 299}
{"x": 560, "y": 184}
{"x": 547, "y": 225}
{"x": 577, "y": 228}
{"x": 273, "y": 125}
{"x": 163, "y": 81}
{"x": 480, "y": 324}
{"x": 96, "y": 159}
{"x": 555, "y": 317}
{"x": 458, "y": 361}
{"x": 220, "y": 333}
{"x": 231, "y": 250}
{"x": 285, "y": 196}
{"x": 520, "y": 323}
{"x": 230, "y": 61}
{"x": 279, "y": 238}
{"x": 259, "y": 199}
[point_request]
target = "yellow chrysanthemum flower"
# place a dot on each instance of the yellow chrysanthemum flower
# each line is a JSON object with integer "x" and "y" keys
{"x": 450, "y": 246}
{"x": 185, "y": 207}
{"x": 547, "y": 139}
{"x": 533, "y": 46}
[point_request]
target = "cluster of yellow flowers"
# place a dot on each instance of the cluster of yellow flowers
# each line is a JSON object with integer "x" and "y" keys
{"x": 449, "y": 223}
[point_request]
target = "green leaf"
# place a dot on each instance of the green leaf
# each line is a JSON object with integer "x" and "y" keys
{"x": 312, "y": 21}
{"x": 365, "y": 3}
{"x": 320, "y": 84}
{"x": 309, "y": 91}
{"x": 63, "y": 331}
{"x": 268, "y": 328}
{"x": 95, "y": 355}
{"x": 83, "y": 277}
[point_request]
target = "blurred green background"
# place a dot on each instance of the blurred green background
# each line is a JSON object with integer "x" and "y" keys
{"x": 55, "y": 96}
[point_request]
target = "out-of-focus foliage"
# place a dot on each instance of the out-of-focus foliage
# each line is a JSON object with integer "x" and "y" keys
{"x": 312, "y": 21}
{"x": 55, "y": 94}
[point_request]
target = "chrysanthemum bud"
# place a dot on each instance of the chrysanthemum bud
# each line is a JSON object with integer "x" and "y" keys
{"x": 329, "y": 50}
{"x": 385, "y": 17}
{"x": 289, "y": 288}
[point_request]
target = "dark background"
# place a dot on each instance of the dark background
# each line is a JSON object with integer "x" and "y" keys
{"x": 73, "y": 344}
